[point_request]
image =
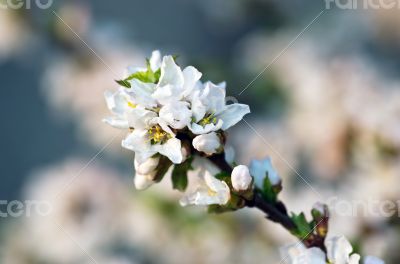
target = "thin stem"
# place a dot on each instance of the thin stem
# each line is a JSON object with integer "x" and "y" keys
{"x": 275, "y": 212}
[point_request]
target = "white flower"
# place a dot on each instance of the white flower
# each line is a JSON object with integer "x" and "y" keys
{"x": 259, "y": 169}
{"x": 145, "y": 171}
{"x": 146, "y": 166}
{"x": 156, "y": 139}
{"x": 143, "y": 181}
{"x": 208, "y": 143}
{"x": 241, "y": 178}
{"x": 119, "y": 104}
{"x": 210, "y": 111}
{"x": 175, "y": 84}
{"x": 127, "y": 110}
{"x": 177, "y": 114}
{"x": 209, "y": 191}
{"x": 338, "y": 248}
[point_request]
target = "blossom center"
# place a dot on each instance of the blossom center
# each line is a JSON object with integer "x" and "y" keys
{"x": 157, "y": 135}
{"x": 131, "y": 105}
{"x": 208, "y": 119}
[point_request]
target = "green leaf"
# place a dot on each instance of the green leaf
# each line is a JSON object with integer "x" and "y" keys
{"x": 148, "y": 76}
{"x": 304, "y": 229}
{"x": 268, "y": 191}
{"x": 223, "y": 176}
{"x": 162, "y": 168}
{"x": 123, "y": 83}
{"x": 179, "y": 175}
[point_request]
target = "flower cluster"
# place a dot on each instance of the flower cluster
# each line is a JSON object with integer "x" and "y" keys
{"x": 176, "y": 120}
{"x": 338, "y": 251}
{"x": 172, "y": 115}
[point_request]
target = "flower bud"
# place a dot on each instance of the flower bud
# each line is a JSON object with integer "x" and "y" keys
{"x": 320, "y": 214}
{"x": 147, "y": 166}
{"x": 207, "y": 143}
{"x": 143, "y": 181}
{"x": 263, "y": 168}
{"x": 241, "y": 179}
{"x": 319, "y": 211}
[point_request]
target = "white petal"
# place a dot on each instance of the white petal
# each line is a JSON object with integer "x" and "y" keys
{"x": 116, "y": 122}
{"x": 142, "y": 93}
{"x": 221, "y": 189}
{"x": 155, "y": 60}
{"x": 354, "y": 259}
{"x": 214, "y": 97}
{"x": 213, "y": 191}
{"x": 338, "y": 249}
{"x": 117, "y": 102}
{"x": 372, "y": 260}
{"x": 299, "y": 254}
{"x": 198, "y": 108}
{"x": 207, "y": 143}
{"x": 177, "y": 115}
{"x": 172, "y": 150}
{"x": 143, "y": 182}
{"x": 191, "y": 76}
{"x": 140, "y": 118}
{"x": 232, "y": 114}
{"x": 166, "y": 94}
{"x": 292, "y": 252}
{"x": 137, "y": 142}
{"x": 171, "y": 74}
{"x": 147, "y": 166}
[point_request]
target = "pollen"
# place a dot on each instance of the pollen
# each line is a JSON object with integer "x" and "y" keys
{"x": 208, "y": 119}
{"x": 211, "y": 192}
{"x": 157, "y": 135}
{"x": 132, "y": 105}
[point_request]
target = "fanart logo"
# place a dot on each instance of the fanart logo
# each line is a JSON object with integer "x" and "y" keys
{"x": 363, "y": 4}
{"x": 25, "y": 4}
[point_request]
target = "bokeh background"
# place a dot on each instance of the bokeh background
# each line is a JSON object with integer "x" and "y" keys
{"x": 327, "y": 108}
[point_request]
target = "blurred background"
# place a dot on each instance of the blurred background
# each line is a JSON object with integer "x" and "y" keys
{"x": 326, "y": 107}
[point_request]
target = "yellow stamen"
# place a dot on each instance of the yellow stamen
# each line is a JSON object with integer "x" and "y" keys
{"x": 157, "y": 135}
{"x": 132, "y": 105}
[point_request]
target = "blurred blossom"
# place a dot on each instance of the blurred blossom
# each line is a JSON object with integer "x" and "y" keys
{"x": 99, "y": 211}
{"x": 75, "y": 87}
{"x": 14, "y": 33}
{"x": 75, "y": 16}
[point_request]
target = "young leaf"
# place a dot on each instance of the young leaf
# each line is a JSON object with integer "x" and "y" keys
{"x": 123, "y": 83}
{"x": 179, "y": 175}
{"x": 148, "y": 76}
{"x": 303, "y": 227}
{"x": 162, "y": 168}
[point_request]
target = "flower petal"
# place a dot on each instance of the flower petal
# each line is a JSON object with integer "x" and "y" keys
{"x": 116, "y": 122}
{"x": 155, "y": 60}
{"x": 137, "y": 142}
{"x": 191, "y": 76}
{"x": 172, "y": 150}
{"x": 338, "y": 249}
{"x": 232, "y": 114}
{"x": 171, "y": 74}
{"x": 214, "y": 97}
